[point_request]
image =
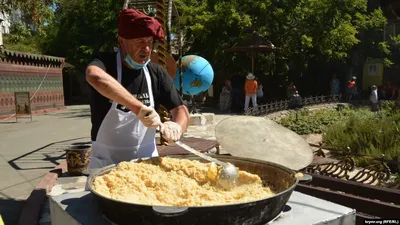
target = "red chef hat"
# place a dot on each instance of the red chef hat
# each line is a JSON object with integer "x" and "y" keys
{"x": 135, "y": 24}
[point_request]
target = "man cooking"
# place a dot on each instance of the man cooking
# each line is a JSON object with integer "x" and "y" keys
{"x": 126, "y": 91}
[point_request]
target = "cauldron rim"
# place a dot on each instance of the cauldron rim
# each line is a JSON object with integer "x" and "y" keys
{"x": 106, "y": 169}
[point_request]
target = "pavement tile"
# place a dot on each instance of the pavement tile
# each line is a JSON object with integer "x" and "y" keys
{"x": 9, "y": 177}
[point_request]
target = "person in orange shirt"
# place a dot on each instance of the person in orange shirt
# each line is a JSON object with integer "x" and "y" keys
{"x": 250, "y": 88}
{"x": 351, "y": 89}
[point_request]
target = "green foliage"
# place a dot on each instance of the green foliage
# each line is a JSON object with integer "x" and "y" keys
{"x": 82, "y": 27}
{"x": 306, "y": 30}
{"x": 368, "y": 133}
{"x": 309, "y": 32}
{"x": 36, "y": 12}
{"x": 31, "y": 45}
{"x": 394, "y": 45}
{"x": 23, "y": 39}
{"x": 312, "y": 122}
{"x": 388, "y": 106}
{"x": 359, "y": 131}
{"x": 18, "y": 33}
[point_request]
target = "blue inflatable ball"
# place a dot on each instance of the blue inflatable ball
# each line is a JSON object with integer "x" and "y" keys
{"x": 197, "y": 75}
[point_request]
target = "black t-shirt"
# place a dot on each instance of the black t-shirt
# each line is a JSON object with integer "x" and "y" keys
{"x": 164, "y": 91}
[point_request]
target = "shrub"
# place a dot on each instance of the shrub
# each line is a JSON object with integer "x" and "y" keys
{"x": 367, "y": 133}
{"x": 388, "y": 106}
{"x": 312, "y": 122}
{"x": 358, "y": 130}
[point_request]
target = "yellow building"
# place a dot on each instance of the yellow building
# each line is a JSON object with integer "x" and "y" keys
{"x": 373, "y": 73}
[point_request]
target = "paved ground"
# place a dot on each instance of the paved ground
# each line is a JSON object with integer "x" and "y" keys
{"x": 30, "y": 149}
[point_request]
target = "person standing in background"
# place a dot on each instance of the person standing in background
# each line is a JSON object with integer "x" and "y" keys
{"x": 260, "y": 92}
{"x": 251, "y": 91}
{"x": 373, "y": 97}
{"x": 293, "y": 96}
{"x": 237, "y": 91}
{"x": 335, "y": 85}
{"x": 351, "y": 89}
{"x": 225, "y": 97}
{"x": 291, "y": 90}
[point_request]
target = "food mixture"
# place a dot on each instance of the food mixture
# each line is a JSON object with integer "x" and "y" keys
{"x": 176, "y": 182}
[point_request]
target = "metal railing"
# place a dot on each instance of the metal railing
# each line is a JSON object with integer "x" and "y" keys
{"x": 377, "y": 171}
{"x": 286, "y": 104}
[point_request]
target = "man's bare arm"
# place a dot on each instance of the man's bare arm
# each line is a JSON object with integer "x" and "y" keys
{"x": 180, "y": 115}
{"x": 107, "y": 86}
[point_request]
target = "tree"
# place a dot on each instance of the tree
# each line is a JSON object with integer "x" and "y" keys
{"x": 306, "y": 30}
{"x": 22, "y": 38}
{"x": 35, "y": 12}
{"x": 311, "y": 33}
{"x": 82, "y": 27}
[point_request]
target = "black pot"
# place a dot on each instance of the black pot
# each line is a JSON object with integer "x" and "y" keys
{"x": 282, "y": 181}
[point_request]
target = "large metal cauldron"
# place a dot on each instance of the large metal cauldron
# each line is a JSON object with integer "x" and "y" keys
{"x": 281, "y": 179}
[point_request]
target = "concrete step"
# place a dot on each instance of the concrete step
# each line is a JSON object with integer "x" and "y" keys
{"x": 201, "y": 119}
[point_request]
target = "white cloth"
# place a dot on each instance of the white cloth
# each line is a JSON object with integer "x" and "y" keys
{"x": 171, "y": 131}
{"x": 122, "y": 136}
{"x": 374, "y": 96}
{"x": 253, "y": 98}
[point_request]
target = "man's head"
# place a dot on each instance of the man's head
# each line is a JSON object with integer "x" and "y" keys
{"x": 137, "y": 33}
{"x": 138, "y": 48}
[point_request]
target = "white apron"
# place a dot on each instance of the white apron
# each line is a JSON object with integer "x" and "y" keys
{"x": 122, "y": 136}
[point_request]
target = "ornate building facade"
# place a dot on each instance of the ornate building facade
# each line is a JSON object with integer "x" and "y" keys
{"x": 40, "y": 75}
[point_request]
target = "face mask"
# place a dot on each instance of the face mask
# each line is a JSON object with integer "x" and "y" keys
{"x": 133, "y": 64}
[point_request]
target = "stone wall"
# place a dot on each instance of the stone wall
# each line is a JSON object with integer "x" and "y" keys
{"x": 38, "y": 74}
